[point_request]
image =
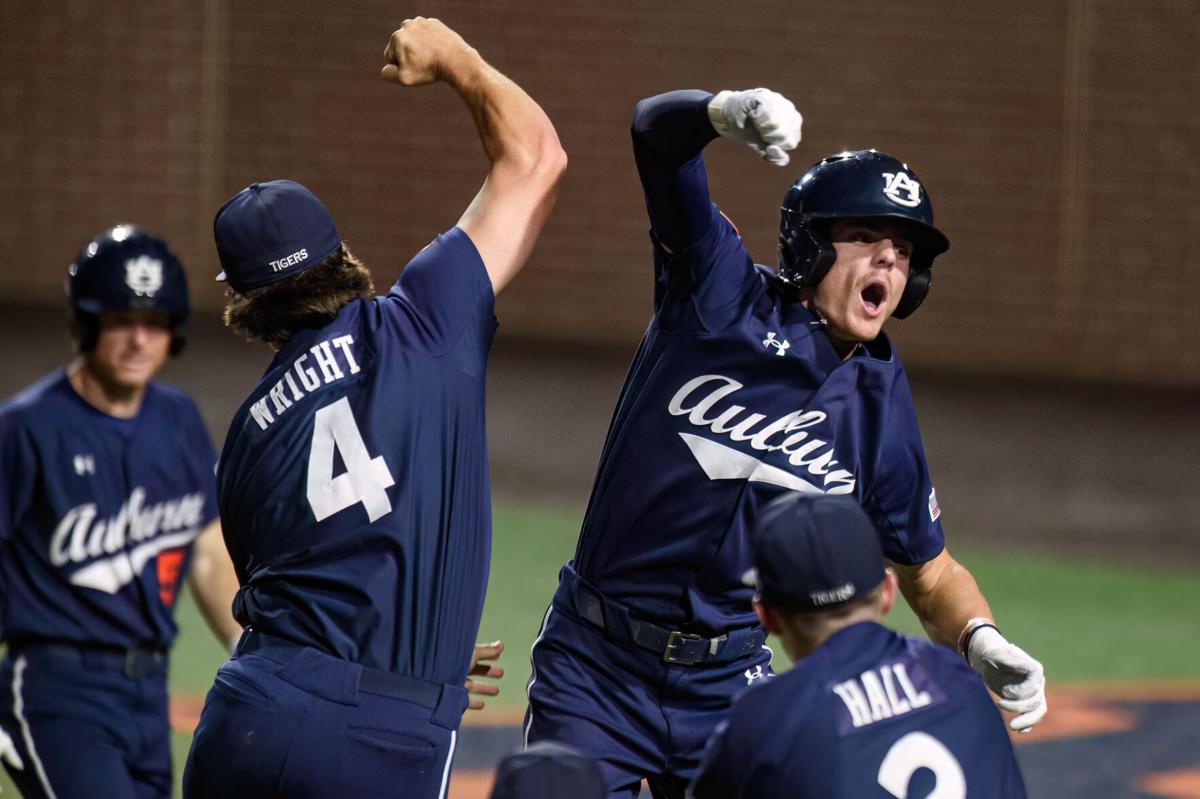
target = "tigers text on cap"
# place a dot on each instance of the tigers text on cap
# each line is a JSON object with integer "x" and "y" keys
{"x": 269, "y": 231}
{"x": 814, "y": 553}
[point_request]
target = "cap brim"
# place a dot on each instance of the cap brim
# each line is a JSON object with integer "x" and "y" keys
{"x": 221, "y": 278}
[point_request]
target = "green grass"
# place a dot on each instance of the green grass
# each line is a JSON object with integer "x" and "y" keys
{"x": 1084, "y": 620}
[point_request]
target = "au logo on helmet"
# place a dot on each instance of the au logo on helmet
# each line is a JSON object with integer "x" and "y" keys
{"x": 144, "y": 275}
{"x": 901, "y": 189}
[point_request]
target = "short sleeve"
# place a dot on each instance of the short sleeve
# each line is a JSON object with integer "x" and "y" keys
{"x": 706, "y": 287}
{"x": 903, "y": 501}
{"x": 447, "y": 292}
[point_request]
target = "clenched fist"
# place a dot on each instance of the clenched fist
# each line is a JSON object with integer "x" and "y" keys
{"x": 423, "y": 50}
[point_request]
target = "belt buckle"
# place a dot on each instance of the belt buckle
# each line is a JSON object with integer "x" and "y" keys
{"x": 674, "y": 639}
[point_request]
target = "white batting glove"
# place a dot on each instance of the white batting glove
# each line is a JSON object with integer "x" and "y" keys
{"x": 763, "y": 120}
{"x": 1010, "y": 673}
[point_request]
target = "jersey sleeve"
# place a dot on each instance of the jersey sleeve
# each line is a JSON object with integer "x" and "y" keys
{"x": 447, "y": 296}
{"x": 903, "y": 501}
{"x": 707, "y": 287}
{"x": 669, "y": 133}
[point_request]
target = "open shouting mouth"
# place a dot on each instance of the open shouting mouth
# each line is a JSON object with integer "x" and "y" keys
{"x": 873, "y": 297}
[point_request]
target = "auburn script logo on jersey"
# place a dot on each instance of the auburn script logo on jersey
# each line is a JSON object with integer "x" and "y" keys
{"x": 115, "y": 550}
{"x": 703, "y": 400}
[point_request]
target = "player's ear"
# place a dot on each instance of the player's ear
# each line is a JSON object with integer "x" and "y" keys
{"x": 887, "y": 593}
{"x": 768, "y": 618}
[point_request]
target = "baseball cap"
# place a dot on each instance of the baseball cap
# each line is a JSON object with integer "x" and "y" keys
{"x": 548, "y": 770}
{"x": 270, "y": 231}
{"x": 814, "y": 553}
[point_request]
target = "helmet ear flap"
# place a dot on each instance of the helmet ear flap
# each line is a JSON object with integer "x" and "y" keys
{"x": 805, "y": 253}
{"x": 915, "y": 290}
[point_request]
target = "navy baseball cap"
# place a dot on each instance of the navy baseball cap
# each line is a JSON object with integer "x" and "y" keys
{"x": 269, "y": 231}
{"x": 814, "y": 553}
{"x": 548, "y": 770}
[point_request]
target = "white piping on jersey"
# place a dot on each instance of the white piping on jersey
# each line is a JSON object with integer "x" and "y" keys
{"x": 446, "y": 769}
{"x": 533, "y": 678}
{"x": 112, "y": 574}
{"x": 26, "y": 733}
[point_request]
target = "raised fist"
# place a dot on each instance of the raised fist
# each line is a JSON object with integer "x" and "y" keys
{"x": 422, "y": 50}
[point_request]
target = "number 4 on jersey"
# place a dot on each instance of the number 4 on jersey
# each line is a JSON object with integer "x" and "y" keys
{"x": 365, "y": 479}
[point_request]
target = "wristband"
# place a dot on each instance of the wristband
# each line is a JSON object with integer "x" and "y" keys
{"x": 973, "y": 626}
{"x": 716, "y": 113}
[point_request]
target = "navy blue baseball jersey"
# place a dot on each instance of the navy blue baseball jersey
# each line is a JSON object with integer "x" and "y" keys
{"x": 353, "y": 484}
{"x": 871, "y": 713}
{"x": 735, "y": 396}
{"x": 98, "y": 514}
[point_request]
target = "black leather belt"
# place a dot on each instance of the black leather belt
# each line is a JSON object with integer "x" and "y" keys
{"x": 136, "y": 663}
{"x": 673, "y": 646}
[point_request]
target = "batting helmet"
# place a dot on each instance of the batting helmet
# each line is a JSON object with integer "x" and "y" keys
{"x": 125, "y": 269}
{"x": 863, "y": 183}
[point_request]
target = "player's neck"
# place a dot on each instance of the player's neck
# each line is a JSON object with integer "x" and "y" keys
{"x": 121, "y": 402}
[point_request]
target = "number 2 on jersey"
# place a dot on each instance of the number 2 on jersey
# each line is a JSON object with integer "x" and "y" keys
{"x": 365, "y": 479}
{"x": 920, "y": 750}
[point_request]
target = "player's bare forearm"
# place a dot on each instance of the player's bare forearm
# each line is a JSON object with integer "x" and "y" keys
{"x": 527, "y": 160}
{"x": 944, "y": 596}
{"x": 214, "y": 584}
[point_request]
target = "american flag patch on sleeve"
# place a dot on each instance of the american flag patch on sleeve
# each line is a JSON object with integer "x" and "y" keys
{"x": 934, "y": 510}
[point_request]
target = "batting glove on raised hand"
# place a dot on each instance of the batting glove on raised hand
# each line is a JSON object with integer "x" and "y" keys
{"x": 1010, "y": 673}
{"x": 763, "y": 120}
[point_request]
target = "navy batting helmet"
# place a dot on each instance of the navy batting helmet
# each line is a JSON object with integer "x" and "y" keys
{"x": 125, "y": 269}
{"x": 863, "y": 183}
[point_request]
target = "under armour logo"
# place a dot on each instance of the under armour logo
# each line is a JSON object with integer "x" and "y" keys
{"x": 144, "y": 275}
{"x": 896, "y": 183}
{"x": 779, "y": 345}
{"x": 85, "y": 464}
{"x": 756, "y": 673}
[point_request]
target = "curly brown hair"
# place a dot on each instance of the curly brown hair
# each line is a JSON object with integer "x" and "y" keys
{"x": 311, "y": 299}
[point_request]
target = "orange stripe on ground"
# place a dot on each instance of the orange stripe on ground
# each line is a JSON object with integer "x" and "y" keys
{"x": 1073, "y": 716}
{"x": 1172, "y": 785}
{"x": 185, "y": 712}
{"x": 470, "y": 784}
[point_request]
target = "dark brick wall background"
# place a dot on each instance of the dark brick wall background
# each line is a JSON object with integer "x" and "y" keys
{"x": 1057, "y": 139}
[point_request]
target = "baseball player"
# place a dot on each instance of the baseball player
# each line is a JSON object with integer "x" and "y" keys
{"x": 107, "y": 500}
{"x": 749, "y": 383}
{"x": 353, "y": 484}
{"x": 864, "y": 708}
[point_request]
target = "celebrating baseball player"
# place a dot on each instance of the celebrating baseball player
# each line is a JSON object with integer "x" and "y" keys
{"x": 107, "y": 500}
{"x": 749, "y": 383}
{"x": 870, "y": 705}
{"x": 353, "y": 484}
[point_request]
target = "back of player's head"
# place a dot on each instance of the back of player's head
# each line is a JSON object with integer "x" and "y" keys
{"x": 862, "y": 183}
{"x": 815, "y": 553}
{"x": 270, "y": 231}
{"x": 125, "y": 269}
{"x": 548, "y": 770}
